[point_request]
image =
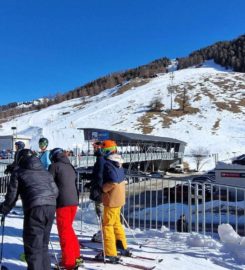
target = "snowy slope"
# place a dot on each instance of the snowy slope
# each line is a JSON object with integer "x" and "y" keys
{"x": 216, "y": 122}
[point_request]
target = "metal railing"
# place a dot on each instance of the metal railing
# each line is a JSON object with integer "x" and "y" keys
{"x": 87, "y": 161}
{"x": 4, "y": 181}
{"x": 3, "y": 166}
{"x": 154, "y": 202}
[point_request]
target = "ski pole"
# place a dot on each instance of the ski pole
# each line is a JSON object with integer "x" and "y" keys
{"x": 1, "y": 253}
{"x": 125, "y": 221}
{"x": 55, "y": 256}
{"x": 102, "y": 238}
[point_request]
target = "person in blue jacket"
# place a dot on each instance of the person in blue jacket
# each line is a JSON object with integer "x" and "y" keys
{"x": 44, "y": 156}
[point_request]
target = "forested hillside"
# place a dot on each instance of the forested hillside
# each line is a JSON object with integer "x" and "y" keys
{"x": 229, "y": 54}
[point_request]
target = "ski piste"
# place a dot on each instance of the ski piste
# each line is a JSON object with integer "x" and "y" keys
{"x": 84, "y": 245}
{"x": 121, "y": 262}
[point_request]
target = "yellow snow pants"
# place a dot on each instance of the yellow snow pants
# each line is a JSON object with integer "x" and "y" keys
{"x": 113, "y": 230}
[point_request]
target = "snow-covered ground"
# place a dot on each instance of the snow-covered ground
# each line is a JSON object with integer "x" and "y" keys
{"x": 218, "y": 126}
{"x": 178, "y": 250}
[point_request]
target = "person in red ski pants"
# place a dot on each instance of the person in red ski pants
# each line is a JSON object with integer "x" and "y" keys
{"x": 68, "y": 240}
{"x": 65, "y": 178}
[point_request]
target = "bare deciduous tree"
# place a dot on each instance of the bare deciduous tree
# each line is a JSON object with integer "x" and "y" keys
{"x": 200, "y": 156}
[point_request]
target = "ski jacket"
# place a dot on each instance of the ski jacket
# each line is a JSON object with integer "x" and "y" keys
{"x": 44, "y": 157}
{"x": 33, "y": 183}
{"x": 65, "y": 177}
{"x": 97, "y": 180}
{"x": 113, "y": 182}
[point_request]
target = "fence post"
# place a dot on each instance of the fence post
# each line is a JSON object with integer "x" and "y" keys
{"x": 196, "y": 208}
{"x": 189, "y": 206}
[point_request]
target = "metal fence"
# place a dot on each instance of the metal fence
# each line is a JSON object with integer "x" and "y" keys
{"x": 154, "y": 202}
{"x": 4, "y": 181}
{"x": 3, "y": 166}
{"x": 86, "y": 161}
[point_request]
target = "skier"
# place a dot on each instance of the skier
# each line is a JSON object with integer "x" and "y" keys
{"x": 65, "y": 177}
{"x": 113, "y": 199}
{"x": 182, "y": 225}
{"x": 44, "y": 155}
{"x": 95, "y": 186}
{"x": 19, "y": 145}
{"x": 38, "y": 193}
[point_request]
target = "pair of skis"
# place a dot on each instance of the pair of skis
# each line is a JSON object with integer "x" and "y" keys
{"x": 121, "y": 262}
{"x": 84, "y": 245}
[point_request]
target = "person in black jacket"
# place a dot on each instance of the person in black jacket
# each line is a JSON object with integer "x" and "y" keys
{"x": 38, "y": 193}
{"x": 95, "y": 185}
{"x": 65, "y": 177}
{"x": 19, "y": 145}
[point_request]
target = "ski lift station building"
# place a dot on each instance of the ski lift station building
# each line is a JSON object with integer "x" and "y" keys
{"x": 141, "y": 151}
{"x": 7, "y": 142}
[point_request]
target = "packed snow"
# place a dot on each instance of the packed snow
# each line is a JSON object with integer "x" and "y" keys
{"x": 217, "y": 129}
{"x": 178, "y": 250}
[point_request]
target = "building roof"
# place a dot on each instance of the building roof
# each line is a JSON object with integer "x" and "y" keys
{"x": 125, "y": 136}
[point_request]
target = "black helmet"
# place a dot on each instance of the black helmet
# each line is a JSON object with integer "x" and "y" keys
{"x": 20, "y": 145}
{"x": 43, "y": 142}
{"x": 23, "y": 154}
{"x": 54, "y": 152}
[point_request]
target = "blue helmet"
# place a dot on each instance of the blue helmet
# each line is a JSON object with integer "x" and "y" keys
{"x": 20, "y": 145}
{"x": 54, "y": 152}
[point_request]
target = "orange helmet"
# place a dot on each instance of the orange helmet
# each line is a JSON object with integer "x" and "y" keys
{"x": 109, "y": 146}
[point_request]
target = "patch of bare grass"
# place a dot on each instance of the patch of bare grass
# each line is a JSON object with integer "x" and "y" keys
{"x": 130, "y": 85}
{"x": 144, "y": 122}
{"x": 230, "y": 106}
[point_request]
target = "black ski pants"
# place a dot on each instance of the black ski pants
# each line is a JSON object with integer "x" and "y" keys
{"x": 37, "y": 226}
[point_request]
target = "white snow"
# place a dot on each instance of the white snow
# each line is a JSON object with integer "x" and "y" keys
{"x": 178, "y": 250}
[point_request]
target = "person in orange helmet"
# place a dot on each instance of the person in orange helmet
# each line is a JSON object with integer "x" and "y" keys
{"x": 113, "y": 198}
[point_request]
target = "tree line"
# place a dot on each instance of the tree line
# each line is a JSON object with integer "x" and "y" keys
{"x": 90, "y": 89}
{"x": 229, "y": 54}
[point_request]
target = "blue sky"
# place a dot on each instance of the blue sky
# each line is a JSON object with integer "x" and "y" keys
{"x": 56, "y": 45}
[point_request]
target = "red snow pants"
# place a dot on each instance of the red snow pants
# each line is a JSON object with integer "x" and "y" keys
{"x": 68, "y": 241}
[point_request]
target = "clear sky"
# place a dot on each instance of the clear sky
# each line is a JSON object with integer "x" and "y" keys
{"x": 50, "y": 46}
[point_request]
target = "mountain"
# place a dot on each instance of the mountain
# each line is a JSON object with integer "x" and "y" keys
{"x": 208, "y": 110}
{"x": 229, "y": 54}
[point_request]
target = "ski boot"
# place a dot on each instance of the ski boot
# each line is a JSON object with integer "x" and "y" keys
{"x": 109, "y": 259}
{"x": 97, "y": 237}
{"x": 79, "y": 262}
{"x": 121, "y": 250}
{"x": 124, "y": 252}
